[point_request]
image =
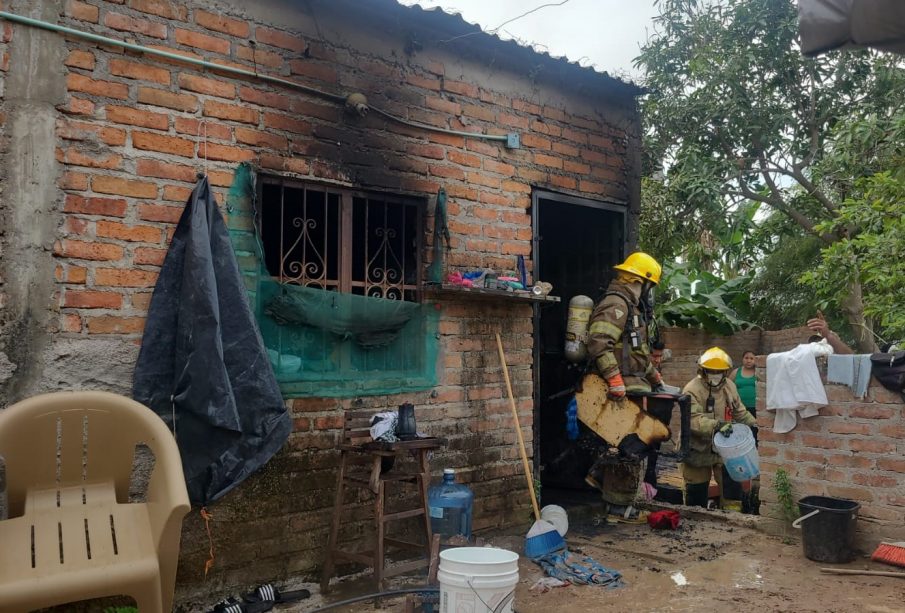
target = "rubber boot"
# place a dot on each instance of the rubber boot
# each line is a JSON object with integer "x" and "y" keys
{"x": 696, "y": 494}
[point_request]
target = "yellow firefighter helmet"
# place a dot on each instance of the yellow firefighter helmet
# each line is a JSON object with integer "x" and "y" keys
{"x": 641, "y": 265}
{"x": 715, "y": 359}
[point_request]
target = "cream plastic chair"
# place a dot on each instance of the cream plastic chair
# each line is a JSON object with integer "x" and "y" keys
{"x": 72, "y": 534}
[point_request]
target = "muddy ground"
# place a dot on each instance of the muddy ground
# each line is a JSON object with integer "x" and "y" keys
{"x": 727, "y": 568}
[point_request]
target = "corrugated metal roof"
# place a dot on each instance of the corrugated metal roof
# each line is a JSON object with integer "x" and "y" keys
{"x": 462, "y": 36}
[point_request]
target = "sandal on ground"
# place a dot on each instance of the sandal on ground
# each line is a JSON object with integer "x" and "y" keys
{"x": 268, "y": 593}
{"x": 233, "y": 605}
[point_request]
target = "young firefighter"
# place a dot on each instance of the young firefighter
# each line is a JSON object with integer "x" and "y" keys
{"x": 715, "y": 405}
{"x": 618, "y": 348}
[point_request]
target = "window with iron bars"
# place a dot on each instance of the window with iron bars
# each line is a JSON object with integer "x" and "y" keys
{"x": 342, "y": 240}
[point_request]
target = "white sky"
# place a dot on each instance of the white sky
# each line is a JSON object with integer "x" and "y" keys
{"x": 603, "y": 33}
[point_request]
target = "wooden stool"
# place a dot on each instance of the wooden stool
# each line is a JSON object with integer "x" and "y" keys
{"x": 359, "y": 450}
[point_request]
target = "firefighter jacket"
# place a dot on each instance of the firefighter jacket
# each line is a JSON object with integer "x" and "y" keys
{"x": 615, "y": 322}
{"x": 727, "y": 406}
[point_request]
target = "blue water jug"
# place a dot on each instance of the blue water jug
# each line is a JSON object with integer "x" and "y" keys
{"x": 450, "y": 506}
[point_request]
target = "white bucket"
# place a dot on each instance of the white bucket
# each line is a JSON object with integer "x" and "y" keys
{"x": 739, "y": 453}
{"x": 477, "y": 580}
{"x": 557, "y": 516}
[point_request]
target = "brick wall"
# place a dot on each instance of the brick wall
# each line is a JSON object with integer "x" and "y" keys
{"x": 134, "y": 130}
{"x": 854, "y": 449}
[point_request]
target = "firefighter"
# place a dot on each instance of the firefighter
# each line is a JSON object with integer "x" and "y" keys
{"x": 715, "y": 406}
{"x": 619, "y": 351}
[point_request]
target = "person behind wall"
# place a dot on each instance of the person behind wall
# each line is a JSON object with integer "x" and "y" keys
{"x": 619, "y": 351}
{"x": 745, "y": 381}
{"x": 715, "y": 406}
{"x": 819, "y": 326}
{"x": 657, "y": 348}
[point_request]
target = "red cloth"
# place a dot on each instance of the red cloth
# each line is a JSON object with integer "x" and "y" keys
{"x": 664, "y": 519}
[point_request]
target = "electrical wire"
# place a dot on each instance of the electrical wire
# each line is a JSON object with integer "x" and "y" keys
{"x": 508, "y": 21}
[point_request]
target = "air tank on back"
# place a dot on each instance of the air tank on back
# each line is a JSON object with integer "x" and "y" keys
{"x": 576, "y": 348}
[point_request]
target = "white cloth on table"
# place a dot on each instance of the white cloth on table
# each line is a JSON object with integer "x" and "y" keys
{"x": 794, "y": 388}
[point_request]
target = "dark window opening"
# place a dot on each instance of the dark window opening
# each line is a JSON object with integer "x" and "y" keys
{"x": 342, "y": 240}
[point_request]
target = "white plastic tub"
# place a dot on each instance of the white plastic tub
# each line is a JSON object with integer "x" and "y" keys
{"x": 739, "y": 453}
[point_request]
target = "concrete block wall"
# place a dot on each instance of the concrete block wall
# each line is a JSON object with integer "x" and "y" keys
{"x": 125, "y": 135}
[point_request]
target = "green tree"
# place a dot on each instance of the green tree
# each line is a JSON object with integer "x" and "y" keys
{"x": 737, "y": 115}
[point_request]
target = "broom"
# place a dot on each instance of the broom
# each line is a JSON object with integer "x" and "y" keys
{"x": 890, "y": 553}
{"x": 542, "y": 538}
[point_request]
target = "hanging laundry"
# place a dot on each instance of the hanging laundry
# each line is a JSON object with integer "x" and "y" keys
{"x": 794, "y": 388}
{"x": 850, "y": 370}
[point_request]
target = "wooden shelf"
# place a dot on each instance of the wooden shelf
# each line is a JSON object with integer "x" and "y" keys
{"x": 481, "y": 293}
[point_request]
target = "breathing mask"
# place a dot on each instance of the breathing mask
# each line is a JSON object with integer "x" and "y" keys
{"x": 714, "y": 378}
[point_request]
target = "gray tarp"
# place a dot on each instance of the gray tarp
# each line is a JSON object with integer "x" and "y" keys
{"x": 831, "y": 24}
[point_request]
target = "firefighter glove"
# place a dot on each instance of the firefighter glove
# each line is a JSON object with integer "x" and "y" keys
{"x": 616, "y": 386}
{"x": 726, "y": 429}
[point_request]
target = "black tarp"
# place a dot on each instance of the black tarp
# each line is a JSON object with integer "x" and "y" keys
{"x": 202, "y": 359}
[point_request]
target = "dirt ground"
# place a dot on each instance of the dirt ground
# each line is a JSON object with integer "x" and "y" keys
{"x": 726, "y": 567}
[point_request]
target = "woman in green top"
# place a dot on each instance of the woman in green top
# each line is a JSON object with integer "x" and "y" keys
{"x": 746, "y": 383}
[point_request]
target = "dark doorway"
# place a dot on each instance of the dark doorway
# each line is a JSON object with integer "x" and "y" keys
{"x": 577, "y": 242}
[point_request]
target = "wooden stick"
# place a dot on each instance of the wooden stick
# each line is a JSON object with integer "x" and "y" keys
{"x": 518, "y": 428}
{"x": 848, "y": 571}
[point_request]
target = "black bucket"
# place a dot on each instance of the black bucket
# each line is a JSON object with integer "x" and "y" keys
{"x": 827, "y": 528}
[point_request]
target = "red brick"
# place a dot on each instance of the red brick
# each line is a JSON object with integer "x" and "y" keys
{"x": 136, "y": 117}
{"x": 224, "y": 153}
{"x": 118, "y": 277}
{"x": 592, "y": 187}
{"x": 176, "y": 193}
{"x": 135, "y": 70}
{"x": 165, "y": 170}
{"x": 74, "y": 181}
{"x": 431, "y": 83}
{"x": 848, "y": 428}
{"x": 875, "y": 480}
{"x": 123, "y": 187}
{"x": 499, "y": 167}
{"x": 516, "y": 248}
{"x": 318, "y": 71}
{"x": 83, "y": 131}
{"x": 221, "y": 178}
{"x": 259, "y": 57}
{"x": 159, "y": 97}
{"x": 149, "y": 256}
{"x": 258, "y": 138}
{"x": 331, "y": 422}
{"x": 868, "y": 411}
{"x": 313, "y": 109}
{"x": 286, "y": 123}
{"x": 893, "y": 431}
{"x": 287, "y": 164}
{"x": 464, "y": 159}
{"x": 871, "y": 446}
{"x": 142, "y": 234}
{"x": 149, "y": 141}
{"x": 141, "y": 300}
{"x": 175, "y": 51}
{"x": 563, "y": 182}
{"x": 92, "y": 300}
{"x": 315, "y": 404}
{"x": 161, "y": 8}
{"x": 458, "y": 87}
{"x": 232, "y": 112}
{"x": 82, "y": 11}
{"x": 848, "y": 461}
{"x": 74, "y": 156}
{"x": 478, "y": 112}
{"x": 203, "y": 85}
{"x": 109, "y": 207}
{"x": 449, "y": 172}
{"x": 576, "y": 167}
{"x": 202, "y": 41}
{"x": 219, "y": 23}
{"x": 202, "y": 130}
{"x": 565, "y": 149}
{"x": 277, "y": 38}
{"x": 104, "y": 89}
{"x": 74, "y": 274}
{"x": 72, "y": 323}
{"x": 76, "y": 226}
{"x": 547, "y": 160}
{"x": 443, "y": 105}
{"x": 94, "y": 251}
{"x": 77, "y": 106}
{"x": 891, "y": 464}
{"x": 109, "y": 324}
{"x": 139, "y": 26}
{"x": 516, "y": 186}
{"x": 158, "y": 213}
{"x": 264, "y": 98}
{"x": 80, "y": 59}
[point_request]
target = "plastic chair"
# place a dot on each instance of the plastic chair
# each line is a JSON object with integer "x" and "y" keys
{"x": 72, "y": 534}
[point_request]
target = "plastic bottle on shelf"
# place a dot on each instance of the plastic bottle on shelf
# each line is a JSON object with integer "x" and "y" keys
{"x": 450, "y": 506}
